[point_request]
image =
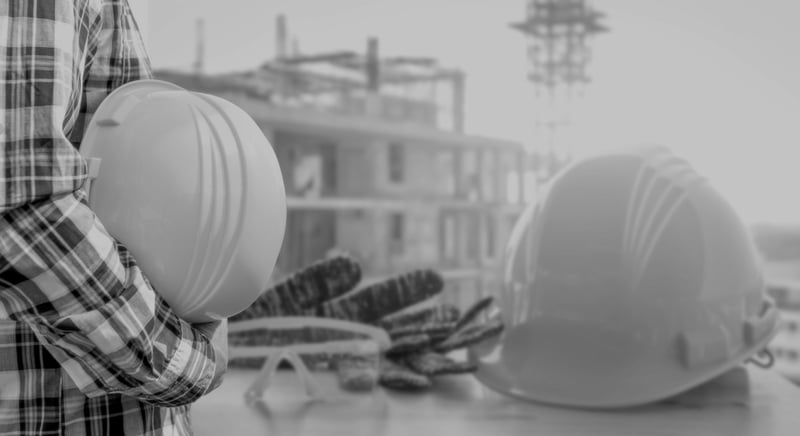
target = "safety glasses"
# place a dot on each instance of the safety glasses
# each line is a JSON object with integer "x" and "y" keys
{"x": 332, "y": 358}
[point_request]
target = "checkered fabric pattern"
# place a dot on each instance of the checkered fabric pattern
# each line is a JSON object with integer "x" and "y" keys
{"x": 86, "y": 345}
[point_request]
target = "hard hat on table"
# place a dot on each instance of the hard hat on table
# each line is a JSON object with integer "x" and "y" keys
{"x": 191, "y": 185}
{"x": 630, "y": 280}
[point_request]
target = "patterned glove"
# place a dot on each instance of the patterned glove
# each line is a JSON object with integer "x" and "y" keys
{"x": 421, "y": 337}
{"x": 298, "y": 295}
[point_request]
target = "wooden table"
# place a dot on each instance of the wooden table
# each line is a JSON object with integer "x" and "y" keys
{"x": 746, "y": 401}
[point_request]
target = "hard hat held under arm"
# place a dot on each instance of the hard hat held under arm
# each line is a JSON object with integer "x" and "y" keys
{"x": 191, "y": 185}
{"x": 630, "y": 280}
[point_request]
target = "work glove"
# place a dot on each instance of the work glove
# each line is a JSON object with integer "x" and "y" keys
{"x": 423, "y": 338}
{"x": 423, "y": 332}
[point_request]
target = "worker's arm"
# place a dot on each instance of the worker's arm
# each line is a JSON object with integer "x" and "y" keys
{"x": 90, "y": 305}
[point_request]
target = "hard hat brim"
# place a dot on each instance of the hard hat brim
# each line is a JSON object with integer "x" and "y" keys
{"x": 561, "y": 390}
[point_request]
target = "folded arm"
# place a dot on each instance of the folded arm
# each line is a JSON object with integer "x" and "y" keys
{"x": 92, "y": 308}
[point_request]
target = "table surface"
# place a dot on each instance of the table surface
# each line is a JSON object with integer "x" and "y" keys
{"x": 745, "y": 401}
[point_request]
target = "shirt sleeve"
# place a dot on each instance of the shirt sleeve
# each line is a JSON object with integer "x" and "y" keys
{"x": 89, "y": 304}
{"x": 104, "y": 322}
{"x": 126, "y": 339}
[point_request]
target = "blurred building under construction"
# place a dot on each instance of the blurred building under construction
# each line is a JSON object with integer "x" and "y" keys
{"x": 376, "y": 162}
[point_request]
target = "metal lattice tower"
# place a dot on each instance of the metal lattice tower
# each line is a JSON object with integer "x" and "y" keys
{"x": 558, "y": 33}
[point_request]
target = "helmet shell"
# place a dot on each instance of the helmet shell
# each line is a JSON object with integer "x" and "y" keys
{"x": 631, "y": 280}
{"x": 191, "y": 185}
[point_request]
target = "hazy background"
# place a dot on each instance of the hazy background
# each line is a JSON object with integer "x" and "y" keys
{"x": 716, "y": 80}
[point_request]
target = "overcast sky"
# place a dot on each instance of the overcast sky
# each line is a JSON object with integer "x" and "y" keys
{"x": 716, "y": 80}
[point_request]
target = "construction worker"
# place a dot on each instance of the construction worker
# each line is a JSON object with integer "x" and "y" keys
{"x": 86, "y": 344}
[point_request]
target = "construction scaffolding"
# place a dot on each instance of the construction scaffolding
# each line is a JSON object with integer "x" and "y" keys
{"x": 558, "y": 32}
{"x": 376, "y": 162}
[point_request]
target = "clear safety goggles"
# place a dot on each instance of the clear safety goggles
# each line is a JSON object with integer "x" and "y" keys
{"x": 328, "y": 366}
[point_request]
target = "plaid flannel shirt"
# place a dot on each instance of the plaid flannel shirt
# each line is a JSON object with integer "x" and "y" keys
{"x": 86, "y": 346}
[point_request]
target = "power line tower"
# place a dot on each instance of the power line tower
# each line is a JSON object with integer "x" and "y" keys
{"x": 558, "y": 32}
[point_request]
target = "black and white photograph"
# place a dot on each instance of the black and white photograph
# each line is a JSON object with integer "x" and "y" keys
{"x": 394, "y": 218}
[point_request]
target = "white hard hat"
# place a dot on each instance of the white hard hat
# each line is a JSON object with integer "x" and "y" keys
{"x": 190, "y": 184}
{"x": 630, "y": 281}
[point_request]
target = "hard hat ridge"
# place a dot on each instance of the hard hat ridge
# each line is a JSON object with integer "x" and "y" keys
{"x": 630, "y": 279}
{"x": 189, "y": 182}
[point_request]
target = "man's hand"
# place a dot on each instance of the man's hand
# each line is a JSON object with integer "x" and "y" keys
{"x": 217, "y": 333}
